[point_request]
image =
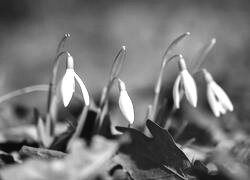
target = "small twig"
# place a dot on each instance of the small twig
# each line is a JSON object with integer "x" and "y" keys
{"x": 41, "y": 153}
{"x": 26, "y": 90}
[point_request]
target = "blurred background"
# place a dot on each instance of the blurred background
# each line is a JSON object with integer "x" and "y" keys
{"x": 30, "y": 31}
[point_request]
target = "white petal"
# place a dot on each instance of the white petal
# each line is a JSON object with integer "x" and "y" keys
{"x": 176, "y": 92}
{"x": 126, "y": 106}
{"x": 222, "y": 96}
{"x": 84, "y": 90}
{"x": 221, "y": 108}
{"x": 189, "y": 87}
{"x": 67, "y": 86}
{"x": 212, "y": 101}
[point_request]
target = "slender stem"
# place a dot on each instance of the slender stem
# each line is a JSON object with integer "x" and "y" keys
{"x": 53, "y": 79}
{"x": 101, "y": 115}
{"x": 79, "y": 126}
{"x": 118, "y": 63}
{"x": 26, "y": 90}
{"x": 197, "y": 63}
{"x": 52, "y": 90}
{"x": 181, "y": 129}
{"x": 173, "y": 44}
{"x": 84, "y": 113}
{"x": 159, "y": 83}
{"x": 114, "y": 73}
{"x": 62, "y": 43}
{"x": 105, "y": 93}
{"x": 163, "y": 64}
{"x": 55, "y": 68}
{"x": 104, "y": 106}
{"x": 168, "y": 121}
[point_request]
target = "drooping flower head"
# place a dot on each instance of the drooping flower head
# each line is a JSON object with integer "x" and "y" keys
{"x": 125, "y": 103}
{"x": 217, "y": 98}
{"x": 68, "y": 83}
{"x": 184, "y": 84}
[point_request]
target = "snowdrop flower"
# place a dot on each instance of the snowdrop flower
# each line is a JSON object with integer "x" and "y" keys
{"x": 68, "y": 83}
{"x": 125, "y": 103}
{"x": 184, "y": 83}
{"x": 217, "y": 98}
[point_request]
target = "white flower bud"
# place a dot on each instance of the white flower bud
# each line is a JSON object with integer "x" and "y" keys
{"x": 125, "y": 103}
{"x": 176, "y": 92}
{"x": 189, "y": 87}
{"x": 67, "y": 86}
{"x": 184, "y": 83}
{"x": 217, "y": 98}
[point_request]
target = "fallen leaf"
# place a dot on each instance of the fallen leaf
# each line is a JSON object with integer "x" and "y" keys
{"x": 156, "y": 157}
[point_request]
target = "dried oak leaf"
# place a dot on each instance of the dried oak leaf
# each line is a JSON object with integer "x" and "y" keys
{"x": 156, "y": 157}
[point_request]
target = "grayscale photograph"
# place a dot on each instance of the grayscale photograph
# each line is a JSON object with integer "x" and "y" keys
{"x": 124, "y": 90}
